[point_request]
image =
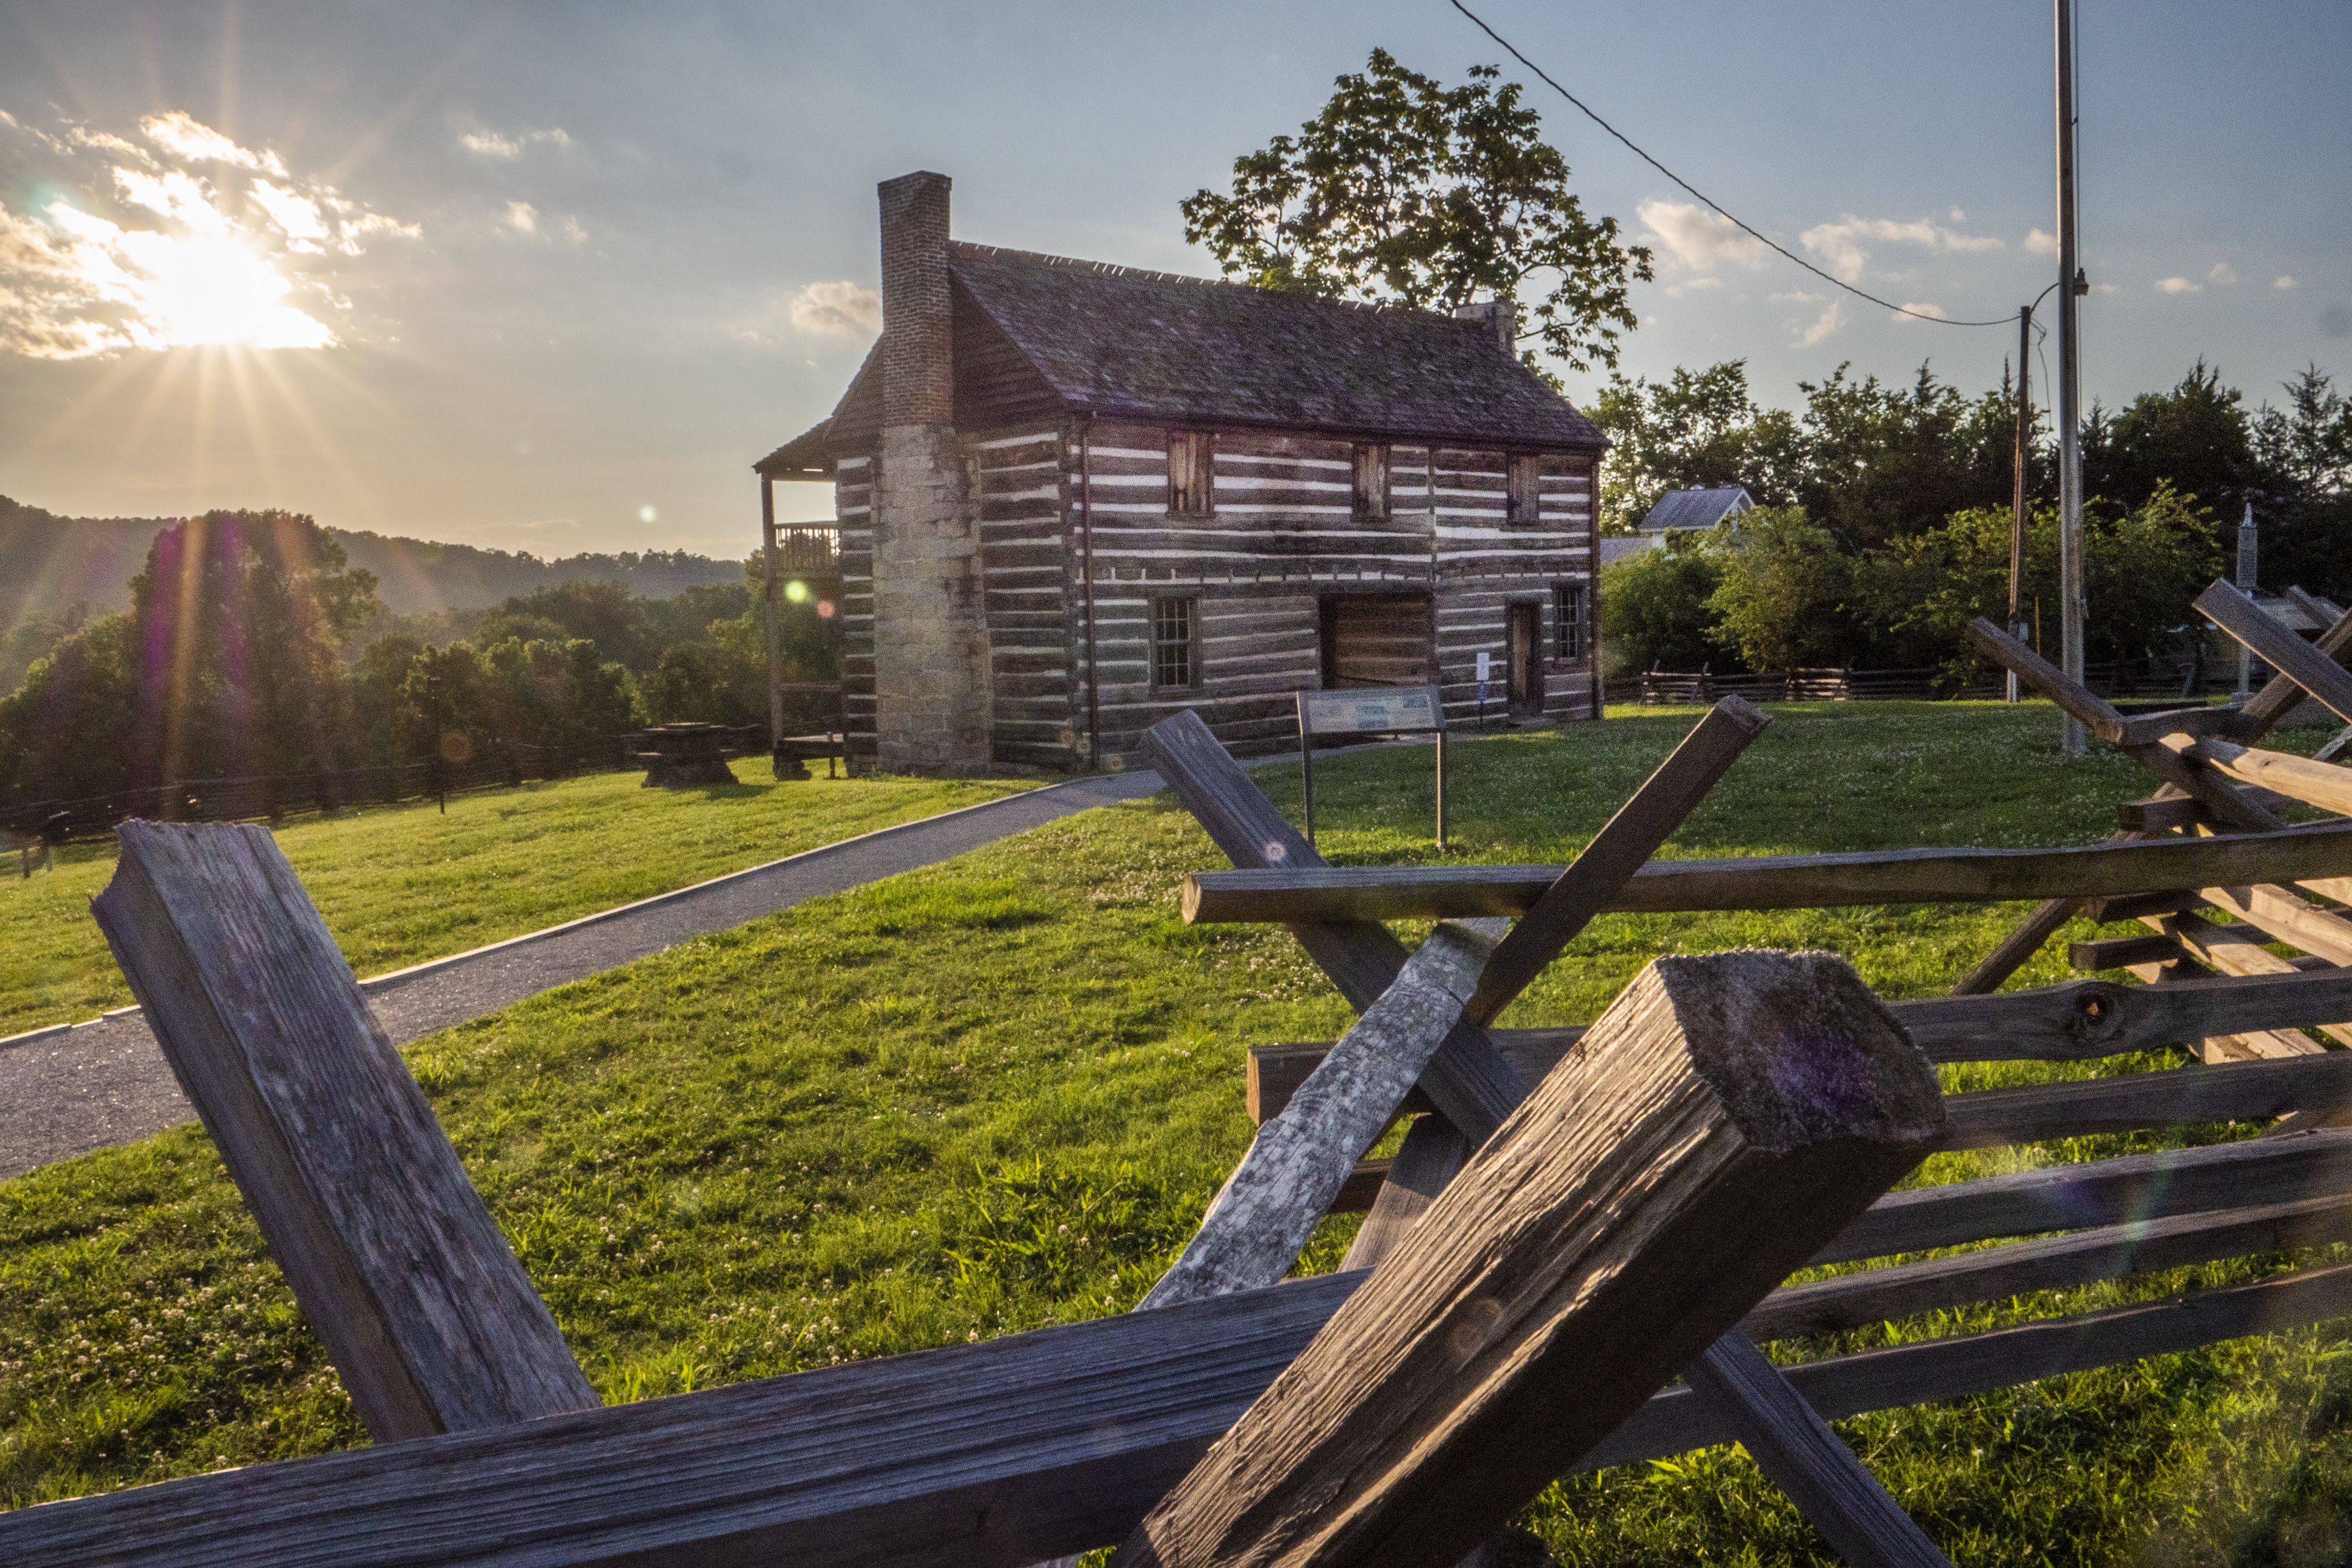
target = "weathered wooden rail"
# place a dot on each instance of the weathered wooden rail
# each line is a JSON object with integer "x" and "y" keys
{"x": 1608, "y": 1206}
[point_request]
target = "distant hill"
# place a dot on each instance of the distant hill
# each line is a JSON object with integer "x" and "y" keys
{"x": 47, "y": 564}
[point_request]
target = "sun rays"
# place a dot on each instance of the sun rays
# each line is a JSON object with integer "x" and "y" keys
{"x": 188, "y": 241}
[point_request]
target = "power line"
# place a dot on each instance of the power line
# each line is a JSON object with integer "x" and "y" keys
{"x": 1716, "y": 206}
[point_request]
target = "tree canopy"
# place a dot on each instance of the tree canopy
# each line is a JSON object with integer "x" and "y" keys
{"x": 1405, "y": 191}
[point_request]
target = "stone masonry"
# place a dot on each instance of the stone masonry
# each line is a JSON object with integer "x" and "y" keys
{"x": 931, "y": 629}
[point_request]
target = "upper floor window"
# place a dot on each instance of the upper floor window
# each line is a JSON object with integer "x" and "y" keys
{"x": 1372, "y": 482}
{"x": 1191, "y": 482}
{"x": 1526, "y": 489}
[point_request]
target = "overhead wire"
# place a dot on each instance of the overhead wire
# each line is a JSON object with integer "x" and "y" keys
{"x": 1718, "y": 207}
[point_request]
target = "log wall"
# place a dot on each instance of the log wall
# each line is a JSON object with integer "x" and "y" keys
{"x": 1283, "y": 537}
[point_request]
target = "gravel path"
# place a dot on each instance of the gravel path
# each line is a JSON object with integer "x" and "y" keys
{"x": 68, "y": 1089}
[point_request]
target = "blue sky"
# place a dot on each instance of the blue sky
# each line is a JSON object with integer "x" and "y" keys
{"x": 549, "y": 278}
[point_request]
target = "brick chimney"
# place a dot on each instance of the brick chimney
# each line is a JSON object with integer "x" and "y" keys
{"x": 931, "y": 707}
{"x": 1499, "y": 317}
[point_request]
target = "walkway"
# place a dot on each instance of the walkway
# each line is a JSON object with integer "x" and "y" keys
{"x": 77, "y": 1087}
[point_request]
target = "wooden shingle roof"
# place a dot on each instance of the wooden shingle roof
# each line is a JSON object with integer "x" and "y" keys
{"x": 1041, "y": 334}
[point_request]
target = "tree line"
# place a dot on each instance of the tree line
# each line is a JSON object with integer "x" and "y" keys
{"x": 254, "y": 647}
{"x": 1885, "y": 511}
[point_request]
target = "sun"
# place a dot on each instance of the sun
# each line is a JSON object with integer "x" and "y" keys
{"x": 188, "y": 290}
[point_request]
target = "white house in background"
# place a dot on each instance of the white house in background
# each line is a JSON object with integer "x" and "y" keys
{"x": 1678, "y": 511}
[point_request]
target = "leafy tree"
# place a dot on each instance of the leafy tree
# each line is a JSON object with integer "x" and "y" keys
{"x": 2195, "y": 438}
{"x": 618, "y": 622}
{"x": 72, "y": 731}
{"x": 240, "y": 617}
{"x": 1654, "y": 612}
{"x": 1781, "y": 602}
{"x": 1408, "y": 192}
{"x": 2304, "y": 454}
{"x": 1879, "y": 461}
{"x": 1694, "y": 429}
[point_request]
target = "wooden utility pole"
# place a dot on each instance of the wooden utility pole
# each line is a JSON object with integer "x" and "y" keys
{"x": 2070, "y": 436}
{"x": 776, "y": 647}
{"x": 2017, "y": 503}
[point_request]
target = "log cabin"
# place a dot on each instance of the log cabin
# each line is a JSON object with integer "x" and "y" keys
{"x": 1074, "y": 498}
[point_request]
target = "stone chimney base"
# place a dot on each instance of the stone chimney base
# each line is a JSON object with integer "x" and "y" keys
{"x": 930, "y": 627}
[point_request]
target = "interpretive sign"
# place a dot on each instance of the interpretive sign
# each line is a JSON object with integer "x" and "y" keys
{"x": 1365, "y": 711}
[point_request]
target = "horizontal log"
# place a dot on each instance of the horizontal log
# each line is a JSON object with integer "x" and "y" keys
{"x": 1273, "y": 1073}
{"x": 2122, "y": 952}
{"x": 2149, "y": 728}
{"x": 2161, "y": 813}
{"x": 1935, "y": 1370}
{"x": 988, "y": 1455}
{"x": 2287, "y": 917}
{"x": 2188, "y": 1095}
{"x": 2323, "y": 784}
{"x": 1774, "y": 882}
{"x": 2104, "y": 1192}
{"x": 2108, "y": 1252}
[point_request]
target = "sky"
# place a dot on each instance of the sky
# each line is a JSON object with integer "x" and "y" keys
{"x": 549, "y": 278}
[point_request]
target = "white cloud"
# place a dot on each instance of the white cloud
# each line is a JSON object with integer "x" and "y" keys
{"x": 490, "y": 144}
{"x": 1691, "y": 286}
{"x": 2221, "y": 272}
{"x": 2177, "y": 286}
{"x": 836, "y": 309}
{"x": 2040, "y": 244}
{"x": 573, "y": 232}
{"x": 296, "y": 215}
{"x": 1960, "y": 216}
{"x": 202, "y": 249}
{"x": 1826, "y": 324}
{"x": 182, "y": 135}
{"x": 2283, "y": 283}
{"x": 1840, "y": 244}
{"x": 1700, "y": 238}
{"x": 1921, "y": 308}
{"x": 523, "y": 216}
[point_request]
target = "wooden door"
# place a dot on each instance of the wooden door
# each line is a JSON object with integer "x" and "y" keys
{"x": 1525, "y": 665}
{"x": 1377, "y": 639}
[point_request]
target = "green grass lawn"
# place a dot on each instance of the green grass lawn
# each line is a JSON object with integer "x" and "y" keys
{"x": 400, "y": 884}
{"x": 997, "y": 1094}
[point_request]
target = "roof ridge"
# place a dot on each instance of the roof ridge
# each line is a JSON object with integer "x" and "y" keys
{"x": 1113, "y": 269}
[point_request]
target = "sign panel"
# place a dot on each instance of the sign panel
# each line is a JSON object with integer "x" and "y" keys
{"x": 1380, "y": 709}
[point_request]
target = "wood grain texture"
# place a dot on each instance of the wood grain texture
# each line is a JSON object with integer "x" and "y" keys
{"x": 2106, "y": 1252}
{"x": 1467, "y": 1080}
{"x": 2323, "y": 784}
{"x": 2279, "y": 648}
{"x": 1952, "y": 1368}
{"x": 2233, "y": 1092}
{"x": 432, "y": 1323}
{"x": 2237, "y": 950}
{"x": 1295, "y": 1167}
{"x": 1431, "y": 1154}
{"x": 2015, "y": 950}
{"x": 2085, "y": 1019}
{"x": 2105, "y": 1192}
{"x": 1290, "y": 893}
{"x": 1273, "y": 1073}
{"x": 1619, "y": 850}
{"x": 2281, "y": 694}
{"x": 2164, "y": 813}
{"x": 986, "y": 1455}
{"x": 1713, "y": 1127}
{"x": 2148, "y": 729}
{"x": 2287, "y": 915}
{"x": 1836, "y": 1495}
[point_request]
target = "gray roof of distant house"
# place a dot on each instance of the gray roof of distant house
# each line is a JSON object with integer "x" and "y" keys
{"x": 1697, "y": 509}
{"x": 1163, "y": 348}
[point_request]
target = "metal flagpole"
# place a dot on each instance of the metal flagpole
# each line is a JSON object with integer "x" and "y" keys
{"x": 2070, "y": 434}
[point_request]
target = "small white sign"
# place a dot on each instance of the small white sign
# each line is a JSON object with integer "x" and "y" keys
{"x": 1486, "y": 665}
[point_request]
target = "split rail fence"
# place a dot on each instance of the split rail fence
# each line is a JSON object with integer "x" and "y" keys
{"x": 1573, "y": 1218}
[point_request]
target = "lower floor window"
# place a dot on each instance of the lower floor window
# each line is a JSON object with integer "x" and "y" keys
{"x": 1175, "y": 643}
{"x": 1568, "y": 619}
